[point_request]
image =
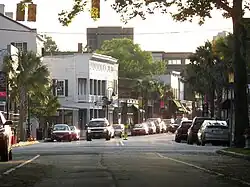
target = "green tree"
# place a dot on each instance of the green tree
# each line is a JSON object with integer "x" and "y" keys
{"x": 133, "y": 61}
{"x": 32, "y": 81}
{"x": 210, "y": 68}
{"x": 187, "y": 11}
{"x": 50, "y": 45}
{"x": 151, "y": 89}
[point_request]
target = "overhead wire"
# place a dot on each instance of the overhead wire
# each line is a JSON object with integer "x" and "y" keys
{"x": 115, "y": 33}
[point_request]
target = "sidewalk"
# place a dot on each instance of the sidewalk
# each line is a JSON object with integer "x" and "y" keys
{"x": 236, "y": 152}
{"x": 21, "y": 144}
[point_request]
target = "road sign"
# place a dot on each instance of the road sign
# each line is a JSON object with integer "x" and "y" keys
{"x": 3, "y": 90}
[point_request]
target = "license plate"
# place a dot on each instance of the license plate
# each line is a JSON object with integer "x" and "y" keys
{"x": 60, "y": 136}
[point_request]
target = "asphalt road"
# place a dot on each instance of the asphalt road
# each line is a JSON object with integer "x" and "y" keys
{"x": 143, "y": 161}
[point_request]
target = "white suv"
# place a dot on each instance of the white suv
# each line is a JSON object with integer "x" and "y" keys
{"x": 99, "y": 128}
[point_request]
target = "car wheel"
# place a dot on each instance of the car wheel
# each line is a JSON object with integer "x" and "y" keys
{"x": 198, "y": 142}
{"x": 203, "y": 143}
{"x": 69, "y": 139}
{"x": 10, "y": 155}
{"x": 89, "y": 138}
{"x": 108, "y": 138}
{"x": 189, "y": 141}
{"x": 177, "y": 140}
{"x": 5, "y": 154}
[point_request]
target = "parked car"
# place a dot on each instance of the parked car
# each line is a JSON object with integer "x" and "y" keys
{"x": 75, "y": 133}
{"x": 157, "y": 122}
{"x": 61, "y": 132}
{"x": 193, "y": 130}
{"x": 140, "y": 129}
{"x": 151, "y": 127}
{"x": 213, "y": 131}
{"x": 5, "y": 140}
{"x": 119, "y": 129}
{"x": 99, "y": 128}
{"x": 173, "y": 127}
{"x": 182, "y": 130}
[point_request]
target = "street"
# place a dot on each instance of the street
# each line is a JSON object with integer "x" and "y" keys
{"x": 152, "y": 161}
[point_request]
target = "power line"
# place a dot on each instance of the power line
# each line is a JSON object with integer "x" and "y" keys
{"x": 128, "y": 34}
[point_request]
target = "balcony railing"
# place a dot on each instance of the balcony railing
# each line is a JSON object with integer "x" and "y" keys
{"x": 90, "y": 98}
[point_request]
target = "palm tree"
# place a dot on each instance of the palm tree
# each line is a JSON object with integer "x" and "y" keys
{"x": 32, "y": 76}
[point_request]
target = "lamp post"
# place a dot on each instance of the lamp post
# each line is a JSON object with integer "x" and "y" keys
{"x": 108, "y": 101}
{"x": 231, "y": 129}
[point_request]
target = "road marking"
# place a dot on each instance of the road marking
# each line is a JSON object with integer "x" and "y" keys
{"x": 121, "y": 143}
{"x": 204, "y": 169}
{"x": 21, "y": 165}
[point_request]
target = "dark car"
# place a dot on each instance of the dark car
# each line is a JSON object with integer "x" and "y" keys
{"x": 193, "y": 130}
{"x": 61, "y": 132}
{"x": 182, "y": 130}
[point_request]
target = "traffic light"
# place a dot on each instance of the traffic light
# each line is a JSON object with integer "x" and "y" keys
{"x": 32, "y": 12}
{"x": 20, "y": 12}
{"x": 95, "y": 9}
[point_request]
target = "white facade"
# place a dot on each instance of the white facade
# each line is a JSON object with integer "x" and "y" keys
{"x": 82, "y": 81}
{"x": 13, "y": 32}
{"x": 173, "y": 79}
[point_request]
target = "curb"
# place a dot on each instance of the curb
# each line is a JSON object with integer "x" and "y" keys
{"x": 233, "y": 154}
{"x": 22, "y": 144}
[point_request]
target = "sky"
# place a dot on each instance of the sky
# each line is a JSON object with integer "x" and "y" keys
{"x": 157, "y": 33}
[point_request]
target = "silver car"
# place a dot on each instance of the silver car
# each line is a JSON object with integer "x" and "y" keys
{"x": 213, "y": 131}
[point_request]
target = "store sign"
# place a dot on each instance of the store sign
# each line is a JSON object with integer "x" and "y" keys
{"x": 3, "y": 93}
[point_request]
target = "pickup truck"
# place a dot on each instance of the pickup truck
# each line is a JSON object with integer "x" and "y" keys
{"x": 5, "y": 139}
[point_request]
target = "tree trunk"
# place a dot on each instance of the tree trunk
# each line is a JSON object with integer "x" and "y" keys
{"x": 211, "y": 96}
{"x": 218, "y": 102}
{"x": 22, "y": 113}
{"x": 239, "y": 63}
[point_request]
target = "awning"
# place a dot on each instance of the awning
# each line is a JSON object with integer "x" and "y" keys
{"x": 177, "y": 103}
{"x": 180, "y": 107}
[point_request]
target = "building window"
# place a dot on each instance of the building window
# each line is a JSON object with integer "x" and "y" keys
{"x": 99, "y": 87}
{"x": 95, "y": 87}
{"x": 21, "y": 46}
{"x": 115, "y": 86}
{"x": 60, "y": 91}
{"x": 174, "y": 61}
{"x": 82, "y": 85}
{"x": 91, "y": 86}
{"x": 187, "y": 61}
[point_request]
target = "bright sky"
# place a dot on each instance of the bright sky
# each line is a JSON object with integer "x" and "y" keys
{"x": 156, "y": 33}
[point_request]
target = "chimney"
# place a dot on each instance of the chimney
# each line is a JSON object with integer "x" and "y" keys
{"x": 2, "y": 6}
{"x": 79, "y": 47}
{"x": 9, "y": 14}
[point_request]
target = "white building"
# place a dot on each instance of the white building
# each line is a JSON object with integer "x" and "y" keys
{"x": 82, "y": 80}
{"x": 17, "y": 34}
{"x": 174, "y": 80}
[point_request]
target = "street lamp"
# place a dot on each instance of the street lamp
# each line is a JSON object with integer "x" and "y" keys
{"x": 108, "y": 101}
{"x": 231, "y": 82}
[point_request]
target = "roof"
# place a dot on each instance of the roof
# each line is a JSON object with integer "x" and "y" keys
{"x": 22, "y": 25}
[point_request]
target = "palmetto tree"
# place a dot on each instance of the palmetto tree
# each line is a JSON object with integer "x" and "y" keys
{"x": 31, "y": 78}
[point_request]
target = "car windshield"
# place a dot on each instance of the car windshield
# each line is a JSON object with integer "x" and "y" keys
{"x": 150, "y": 124}
{"x": 117, "y": 127}
{"x": 198, "y": 122}
{"x": 138, "y": 125}
{"x": 72, "y": 128}
{"x": 186, "y": 124}
{"x": 97, "y": 124}
{"x": 61, "y": 128}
